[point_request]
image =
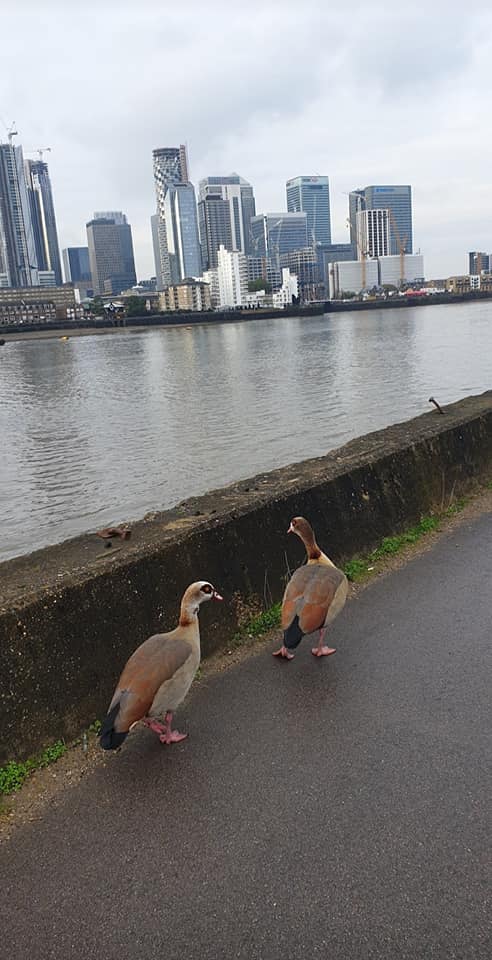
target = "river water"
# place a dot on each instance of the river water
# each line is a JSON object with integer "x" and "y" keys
{"x": 102, "y": 429}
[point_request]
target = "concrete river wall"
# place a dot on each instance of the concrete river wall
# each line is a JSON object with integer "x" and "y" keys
{"x": 71, "y": 614}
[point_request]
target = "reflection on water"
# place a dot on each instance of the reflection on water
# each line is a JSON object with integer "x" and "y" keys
{"x": 103, "y": 429}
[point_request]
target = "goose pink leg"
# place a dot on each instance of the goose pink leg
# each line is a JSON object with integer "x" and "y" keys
{"x": 283, "y": 652}
{"x": 320, "y": 650}
{"x": 164, "y": 730}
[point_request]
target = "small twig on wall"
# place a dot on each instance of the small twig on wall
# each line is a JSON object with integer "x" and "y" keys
{"x": 438, "y": 408}
{"x": 267, "y": 593}
{"x": 451, "y": 496}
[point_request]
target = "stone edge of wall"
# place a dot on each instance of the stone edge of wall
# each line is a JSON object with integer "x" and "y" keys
{"x": 64, "y": 639}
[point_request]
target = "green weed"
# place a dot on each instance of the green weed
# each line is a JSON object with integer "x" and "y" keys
{"x": 262, "y": 623}
{"x": 15, "y": 773}
{"x": 359, "y": 567}
{"x": 265, "y": 621}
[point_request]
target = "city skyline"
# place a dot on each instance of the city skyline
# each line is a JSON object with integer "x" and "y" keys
{"x": 400, "y": 107}
{"x": 379, "y": 215}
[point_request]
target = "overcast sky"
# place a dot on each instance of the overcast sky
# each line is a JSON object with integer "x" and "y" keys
{"x": 364, "y": 92}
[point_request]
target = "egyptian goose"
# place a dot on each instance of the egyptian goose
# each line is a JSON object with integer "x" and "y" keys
{"x": 158, "y": 675}
{"x": 314, "y": 595}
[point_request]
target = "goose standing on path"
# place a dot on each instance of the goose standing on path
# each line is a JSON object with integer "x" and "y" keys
{"x": 314, "y": 596}
{"x": 158, "y": 675}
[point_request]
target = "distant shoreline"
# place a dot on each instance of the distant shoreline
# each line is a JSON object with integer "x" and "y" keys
{"x": 70, "y": 332}
{"x": 60, "y": 330}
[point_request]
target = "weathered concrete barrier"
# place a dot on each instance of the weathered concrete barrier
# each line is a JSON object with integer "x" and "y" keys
{"x": 71, "y": 614}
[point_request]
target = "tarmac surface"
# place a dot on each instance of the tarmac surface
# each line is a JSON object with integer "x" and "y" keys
{"x": 335, "y": 808}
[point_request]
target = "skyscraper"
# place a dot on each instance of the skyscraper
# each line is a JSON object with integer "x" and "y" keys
{"x": 478, "y": 262}
{"x": 214, "y": 219}
{"x": 43, "y": 218}
{"x": 311, "y": 195}
{"x": 111, "y": 254}
{"x": 17, "y": 247}
{"x": 226, "y": 206}
{"x": 76, "y": 264}
{"x": 276, "y": 233}
{"x": 398, "y": 200}
{"x": 170, "y": 168}
{"x": 183, "y": 245}
{"x": 116, "y": 215}
{"x": 154, "y": 226}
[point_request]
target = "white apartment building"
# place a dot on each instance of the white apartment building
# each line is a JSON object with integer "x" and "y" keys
{"x": 232, "y": 269}
{"x": 288, "y": 290}
{"x": 373, "y": 233}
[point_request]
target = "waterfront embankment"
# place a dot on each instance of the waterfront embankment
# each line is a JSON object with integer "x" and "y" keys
{"x": 102, "y": 325}
{"x": 99, "y": 325}
{"x": 69, "y": 613}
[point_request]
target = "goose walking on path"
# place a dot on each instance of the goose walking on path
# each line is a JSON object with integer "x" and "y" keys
{"x": 158, "y": 675}
{"x": 313, "y": 597}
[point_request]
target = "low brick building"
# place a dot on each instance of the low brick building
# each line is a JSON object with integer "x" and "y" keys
{"x": 37, "y": 304}
{"x": 192, "y": 295}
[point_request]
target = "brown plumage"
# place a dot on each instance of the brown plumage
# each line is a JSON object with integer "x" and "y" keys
{"x": 158, "y": 675}
{"x": 313, "y": 597}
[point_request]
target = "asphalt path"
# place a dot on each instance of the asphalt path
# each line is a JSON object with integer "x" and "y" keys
{"x": 335, "y": 808}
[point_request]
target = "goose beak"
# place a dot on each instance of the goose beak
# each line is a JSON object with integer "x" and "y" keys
{"x": 216, "y": 596}
{"x": 291, "y": 529}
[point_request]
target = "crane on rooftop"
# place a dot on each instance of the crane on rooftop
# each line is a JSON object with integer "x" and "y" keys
{"x": 11, "y": 131}
{"x": 40, "y": 151}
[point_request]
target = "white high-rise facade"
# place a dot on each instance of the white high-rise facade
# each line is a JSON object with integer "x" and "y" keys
{"x": 232, "y": 268}
{"x": 373, "y": 233}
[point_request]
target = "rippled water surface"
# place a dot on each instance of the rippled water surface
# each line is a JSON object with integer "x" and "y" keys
{"x": 102, "y": 429}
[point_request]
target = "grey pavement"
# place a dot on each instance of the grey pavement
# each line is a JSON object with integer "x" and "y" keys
{"x": 331, "y": 808}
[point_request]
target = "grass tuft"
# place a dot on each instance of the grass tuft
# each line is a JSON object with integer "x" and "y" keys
{"x": 15, "y": 773}
{"x": 360, "y": 567}
{"x": 265, "y": 621}
{"x": 258, "y": 625}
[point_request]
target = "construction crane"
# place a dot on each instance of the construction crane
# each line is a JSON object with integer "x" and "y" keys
{"x": 401, "y": 244}
{"x": 11, "y": 131}
{"x": 40, "y": 151}
{"x": 363, "y": 254}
